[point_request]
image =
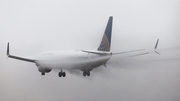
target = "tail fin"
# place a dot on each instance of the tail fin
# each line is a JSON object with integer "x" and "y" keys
{"x": 106, "y": 40}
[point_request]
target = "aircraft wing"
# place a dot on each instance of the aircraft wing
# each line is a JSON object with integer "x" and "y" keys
{"x": 127, "y": 51}
{"x": 110, "y": 53}
{"x": 139, "y": 50}
{"x": 17, "y": 57}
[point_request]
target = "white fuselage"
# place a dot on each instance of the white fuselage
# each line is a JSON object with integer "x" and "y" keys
{"x": 71, "y": 60}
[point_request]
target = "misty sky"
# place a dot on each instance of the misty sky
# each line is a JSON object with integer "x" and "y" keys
{"x": 35, "y": 26}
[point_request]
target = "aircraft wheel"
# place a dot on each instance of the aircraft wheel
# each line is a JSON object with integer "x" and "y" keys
{"x": 84, "y": 73}
{"x": 63, "y": 74}
{"x": 88, "y": 73}
{"x": 60, "y": 74}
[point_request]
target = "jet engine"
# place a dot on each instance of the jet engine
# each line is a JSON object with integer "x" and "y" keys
{"x": 44, "y": 70}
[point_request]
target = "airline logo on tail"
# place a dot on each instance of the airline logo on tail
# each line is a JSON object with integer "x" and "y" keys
{"x": 104, "y": 46}
{"x": 106, "y": 40}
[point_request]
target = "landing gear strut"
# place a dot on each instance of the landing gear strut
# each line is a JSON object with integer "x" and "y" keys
{"x": 86, "y": 73}
{"x": 42, "y": 73}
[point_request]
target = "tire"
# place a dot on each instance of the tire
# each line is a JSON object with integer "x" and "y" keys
{"x": 60, "y": 74}
{"x": 88, "y": 73}
{"x": 64, "y": 74}
{"x": 84, "y": 73}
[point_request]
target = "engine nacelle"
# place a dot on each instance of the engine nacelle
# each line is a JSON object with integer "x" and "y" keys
{"x": 44, "y": 70}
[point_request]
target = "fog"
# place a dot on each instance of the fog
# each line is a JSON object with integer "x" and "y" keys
{"x": 35, "y": 26}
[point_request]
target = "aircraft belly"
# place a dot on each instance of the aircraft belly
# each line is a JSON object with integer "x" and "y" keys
{"x": 85, "y": 64}
{"x": 74, "y": 63}
{"x": 81, "y": 66}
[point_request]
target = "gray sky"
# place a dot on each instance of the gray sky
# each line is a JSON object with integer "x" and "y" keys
{"x": 36, "y": 26}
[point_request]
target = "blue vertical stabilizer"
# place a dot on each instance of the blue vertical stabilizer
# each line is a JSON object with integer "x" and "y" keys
{"x": 106, "y": 40}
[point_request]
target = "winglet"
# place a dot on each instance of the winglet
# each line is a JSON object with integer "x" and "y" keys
{"x": 156, "y": 47}
{"x": 7, "y": 49}
{"x": 17, "y": 57}
{"x": 156, "y": 44}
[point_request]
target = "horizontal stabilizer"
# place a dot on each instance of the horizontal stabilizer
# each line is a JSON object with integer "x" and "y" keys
{"x": 97, "y": 52}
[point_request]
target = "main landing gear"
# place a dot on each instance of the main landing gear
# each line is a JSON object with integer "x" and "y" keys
{"x": 86, "y": 73}
{"x": 62, "y": 74}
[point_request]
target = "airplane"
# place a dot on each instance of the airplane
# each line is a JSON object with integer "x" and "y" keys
{"x": 84, "y": 60}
